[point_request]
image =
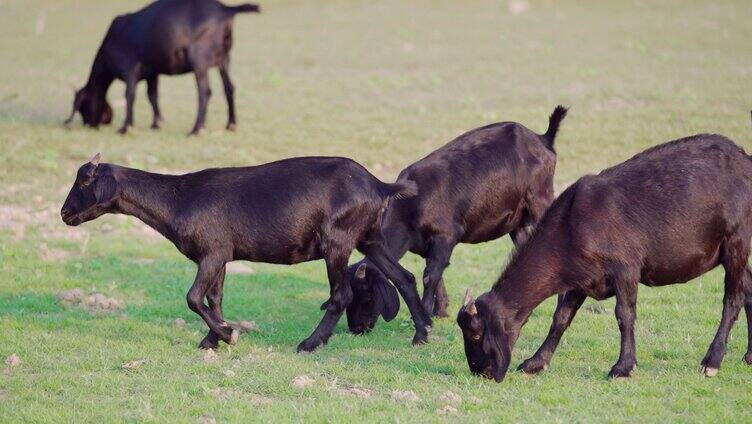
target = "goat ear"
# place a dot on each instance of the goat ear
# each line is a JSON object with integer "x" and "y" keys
{"x": 495, "y": 343}
{"x": 360, "y": 273}
{"x": 105, "y": 188}
{"x": 386, "y": 298}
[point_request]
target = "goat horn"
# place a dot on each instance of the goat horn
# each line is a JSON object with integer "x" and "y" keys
{"x": 469, "y": 304}
{"x": 95, "y": 159}
{"x": 468, "y": 298}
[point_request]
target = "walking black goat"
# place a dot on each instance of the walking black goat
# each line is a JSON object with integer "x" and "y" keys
{"x": 666, "y": 216}
{"x": 284, "y": 212}
{"x": 486, "y": 183}
{"x": 166, "y": 37}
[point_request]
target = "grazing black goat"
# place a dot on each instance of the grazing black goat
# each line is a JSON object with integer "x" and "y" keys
{"x": 166, "y": 37}
{"x": 486, "y": 183}
{"x": 283, "y": 212}
{"x": 666, "y": 216}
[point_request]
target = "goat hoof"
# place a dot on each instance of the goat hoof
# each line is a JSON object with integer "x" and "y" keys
{"x": 709, "y": 371}
{"x": 325, "y": 305}
{"x": 155, "y": 126}
{"x": 308, "y": 345}
{"x": 231, "y": 127}
{"x": 748, "y": 358}
{"x": 532, "y": 366}
{"x": 123, "y": 130}
{"x": 195, "y": 132}
{"x": 620, "y": 372}
{"x": 420, "y": 339}
{"x": 209, "y": 342}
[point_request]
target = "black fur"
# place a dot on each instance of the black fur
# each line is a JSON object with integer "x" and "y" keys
{"x": 166, "y": 37}
{"x": 284, "y": 212}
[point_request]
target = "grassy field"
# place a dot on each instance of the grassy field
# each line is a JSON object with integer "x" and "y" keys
{"x": 384, "y": 82}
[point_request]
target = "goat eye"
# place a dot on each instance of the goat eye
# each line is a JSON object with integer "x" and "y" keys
{"x": 476, "y": 337}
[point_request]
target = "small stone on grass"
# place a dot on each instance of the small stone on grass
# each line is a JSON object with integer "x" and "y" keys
{"x": 404, "y": 396}
{"x": 13, "y": 360}
{"x": 210, "y": 355}
{"x": 133, "y": 364}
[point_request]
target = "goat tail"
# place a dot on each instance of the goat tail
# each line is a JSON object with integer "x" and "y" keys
{"x": 401, "y": 189}
{"x": 244, "y": 8}
{"x": 553, "y": 125}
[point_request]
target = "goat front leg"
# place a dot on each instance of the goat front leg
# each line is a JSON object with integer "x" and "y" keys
{"x": 404, "y": 281}
{"x": 626, "y": 313}
{"x": 442, "y": 300}
{"x": 130, "y": 97}
{"x": 734, "y": 257}
{"x": 152, "y": 88}
{"x": 214, "y": 299}
{"x": 340, "y": 297}
{"x": 209, "y": 271}
{"x": 204, "y": 93}
{"x": 566, "y": 308}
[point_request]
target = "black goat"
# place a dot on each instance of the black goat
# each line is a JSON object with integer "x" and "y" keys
{"x": 666, "y": 216}
{"x": 284, "y": 212}
{"x": 166, "y": 37}
{"x": 486, "y": 183}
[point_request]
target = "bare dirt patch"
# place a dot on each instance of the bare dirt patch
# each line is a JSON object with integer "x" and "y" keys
{"x": 52, "y": 255}
{"x": 404, "y": 396}
{"x": 450, "y": 398}
{"x": 447, "y": 410}
{"x": 94, "y": 302}
{"x": 133, "y": 364}
{"x": 302, "y": 381}
{"x": 356, "y": 391}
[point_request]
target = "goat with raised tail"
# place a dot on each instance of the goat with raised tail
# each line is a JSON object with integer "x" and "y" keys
{"x": 284, "y": 212}
{"x": 484, "y": 184}
{"x": 666, "y": 216}
{"x": 167, "y": 37}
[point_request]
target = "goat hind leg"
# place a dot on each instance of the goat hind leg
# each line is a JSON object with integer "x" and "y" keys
{"x": 224, "y": 72}
{"x": 734, "y": 257}
{"x": 152, "y": 85}
{"x": 748, "y": 312}
{"x": 436, "y": 263}
{"x": 214, "y": 299}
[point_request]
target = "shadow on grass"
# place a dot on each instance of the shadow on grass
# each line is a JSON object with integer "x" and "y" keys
{"x": 285, "y": 306}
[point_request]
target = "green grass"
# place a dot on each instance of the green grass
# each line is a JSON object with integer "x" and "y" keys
{"x": 384, "y": 82}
